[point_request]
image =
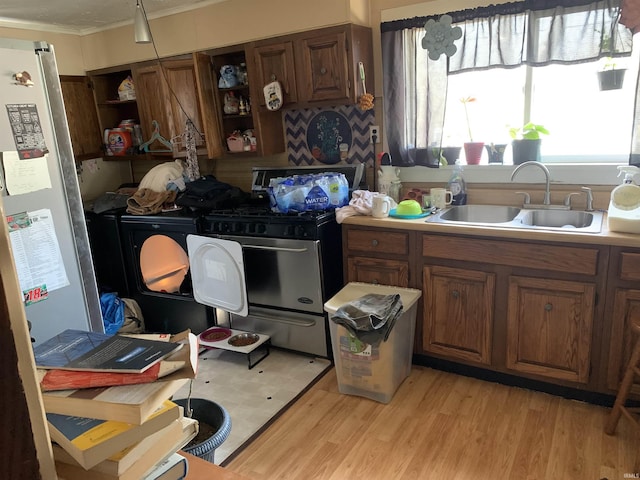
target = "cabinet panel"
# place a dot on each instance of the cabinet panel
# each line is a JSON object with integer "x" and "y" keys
{"x": 549, "y": 324}
{"x": 84, "y": 129}
{"x": 626, "y": 309}
{"x": 458, "y": 313}
{"x": 151, "y": 97}
{"x": 630, "y": 266}
{"x": 378, "y": 271}
{"x": 378, "y": 241}
{"x": 526, "y": 255}
{"x": 323, "y": 62}
{"x": 276, "y": 62}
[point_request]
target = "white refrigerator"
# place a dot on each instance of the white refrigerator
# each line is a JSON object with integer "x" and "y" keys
{"x": 41, "y": 197}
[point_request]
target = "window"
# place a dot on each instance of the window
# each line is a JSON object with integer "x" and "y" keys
{"x": 586, "y": 125}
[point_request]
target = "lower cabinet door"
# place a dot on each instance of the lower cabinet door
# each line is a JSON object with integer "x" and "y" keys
{"x": 549, "y": 324}
{"x": 458, "y": 313}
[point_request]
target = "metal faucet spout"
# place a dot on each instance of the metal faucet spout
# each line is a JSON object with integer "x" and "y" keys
{"x": 547, "y": 175}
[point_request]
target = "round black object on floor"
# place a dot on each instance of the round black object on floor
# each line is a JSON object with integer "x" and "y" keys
{"x": 214, "y": 421}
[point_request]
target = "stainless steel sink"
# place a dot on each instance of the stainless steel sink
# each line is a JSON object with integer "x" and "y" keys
{"x": 514, "y": 217}
{"x": 480, "y": 214}
{"x": 558, "y": 218}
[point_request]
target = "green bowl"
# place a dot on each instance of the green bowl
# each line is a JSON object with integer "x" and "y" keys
{"x": 409, "y": 207}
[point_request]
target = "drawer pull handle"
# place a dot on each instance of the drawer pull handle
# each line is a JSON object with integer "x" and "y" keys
{"x": 455, "y": 294}
{"x": 323, "y": 70}
{"x": 374, "y": 281}
{"x": 374, "y": 243}
{"x": 548, "y": 307}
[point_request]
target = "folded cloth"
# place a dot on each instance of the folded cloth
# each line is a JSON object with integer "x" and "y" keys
{"x": 371, "y": 317}
{"x": 148, "y": 202}
{"x": 161, "y": 175}
{"x": 361, "y": 203}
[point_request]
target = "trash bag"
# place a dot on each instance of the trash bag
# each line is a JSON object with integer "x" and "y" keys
{"x": 112, "y": 312}
{"x": 133, "y": 319}
{"x": 371, "y": 317}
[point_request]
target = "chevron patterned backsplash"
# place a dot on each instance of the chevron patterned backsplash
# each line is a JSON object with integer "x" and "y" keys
{"x": 314, "y": 136}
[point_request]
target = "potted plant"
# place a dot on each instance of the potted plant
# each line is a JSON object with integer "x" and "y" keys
{"x": 472, "y": 150}
{"x": 610, "y": 77}
{"x": 526, "y": 142}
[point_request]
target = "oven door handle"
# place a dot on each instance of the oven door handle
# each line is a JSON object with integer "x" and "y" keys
{"x": 277, "y": 249}
{"x": 298, "y": 323}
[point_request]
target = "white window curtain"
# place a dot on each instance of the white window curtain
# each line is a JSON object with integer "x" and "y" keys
{"x": 533, "y": 32}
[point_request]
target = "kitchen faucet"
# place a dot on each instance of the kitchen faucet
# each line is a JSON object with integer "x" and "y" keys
{"x": 547, "y": 175}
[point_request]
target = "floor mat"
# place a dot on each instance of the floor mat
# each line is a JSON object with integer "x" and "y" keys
{"x": 252, "y": 397}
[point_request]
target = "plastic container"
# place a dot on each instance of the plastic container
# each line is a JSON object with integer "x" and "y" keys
{"x": 624, "y": 208}
{"x": 376, "y": 372}
{"x": 458, "y": 187}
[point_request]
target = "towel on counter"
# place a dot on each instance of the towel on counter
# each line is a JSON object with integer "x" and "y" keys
{"x": 361, "y": 203}
{"x": 149, "y": 202}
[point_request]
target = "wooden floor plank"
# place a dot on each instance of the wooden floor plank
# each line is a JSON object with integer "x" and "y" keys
{"x": 439, "y": 425}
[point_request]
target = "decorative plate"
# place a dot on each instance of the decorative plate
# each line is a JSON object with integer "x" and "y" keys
{"x": 326, "y": 131}
{"x": 394, "y": 214}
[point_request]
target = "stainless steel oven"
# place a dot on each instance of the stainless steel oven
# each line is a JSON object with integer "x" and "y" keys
{"x": 292, "y": 265}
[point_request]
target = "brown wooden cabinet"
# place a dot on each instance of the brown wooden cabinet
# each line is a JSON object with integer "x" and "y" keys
{"x": 458, "y": 313}
{"x": 84, "y": 129}
{"x": 376, "y": 256}
{"x": 275, "y": 62}
{"x": 327, "y": 64}
{"x": 623, "y": 303}
{"x": 549, "y": 327}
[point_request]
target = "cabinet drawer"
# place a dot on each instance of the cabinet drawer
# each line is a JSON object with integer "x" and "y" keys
{"x": 378, "y": 271}
{"x": 377, "y": 241}
{"x": 527, "y": 255}
{"x": 630, "y": 266}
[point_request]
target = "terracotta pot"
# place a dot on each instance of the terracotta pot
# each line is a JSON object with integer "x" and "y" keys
{"x": 473, "y": 152}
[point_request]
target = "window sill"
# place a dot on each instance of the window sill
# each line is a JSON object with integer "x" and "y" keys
{"x": 570, "y": 174}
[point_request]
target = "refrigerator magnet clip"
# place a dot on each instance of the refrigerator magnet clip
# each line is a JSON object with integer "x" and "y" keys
{"x": 23, "y": 78}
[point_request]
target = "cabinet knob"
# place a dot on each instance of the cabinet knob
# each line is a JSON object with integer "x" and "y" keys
{"x": 323, "y": 70}
{"x": 548, "y": 307}
{"x": 374, "y": 243}
{"x": 374, "y": 281}
{"x": 455, "y": 294}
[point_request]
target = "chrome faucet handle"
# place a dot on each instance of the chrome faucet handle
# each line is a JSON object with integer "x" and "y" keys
{"x": 527, "y": 197}
{"x": 589, "y": 193}
{"x": 567, "y": 199}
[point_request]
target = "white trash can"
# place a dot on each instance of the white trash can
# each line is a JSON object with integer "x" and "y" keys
{"x": 374, "y": 372}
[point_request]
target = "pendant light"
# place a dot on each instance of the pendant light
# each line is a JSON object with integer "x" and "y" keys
{"x": 141, "y": 26}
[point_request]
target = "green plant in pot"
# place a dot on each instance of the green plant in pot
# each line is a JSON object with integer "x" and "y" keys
{"x": 526, "y": 142}
{"x": 610, "y": 77}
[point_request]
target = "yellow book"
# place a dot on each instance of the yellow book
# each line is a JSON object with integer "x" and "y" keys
{"x": 134, "y": 462}
{"x": 90, "y": 441}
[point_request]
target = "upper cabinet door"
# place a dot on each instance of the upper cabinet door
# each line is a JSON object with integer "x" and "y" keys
{"x": 276, "y": 62}
{"x": 208, "y": 104}
{"x": 84, "y": 129}
{"x": 152, "y": 101}
{"x": 323, "y": 68}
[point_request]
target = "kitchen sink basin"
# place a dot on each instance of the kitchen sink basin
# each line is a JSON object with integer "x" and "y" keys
{"x": 480, "y": 214}
{"x": 558, "y": 218}
{"x": 514, "y": 217}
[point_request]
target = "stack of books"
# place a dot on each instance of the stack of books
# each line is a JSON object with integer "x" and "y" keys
{"x": 108, "y": 407}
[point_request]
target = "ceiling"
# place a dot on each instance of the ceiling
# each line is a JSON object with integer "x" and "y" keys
{"x": 86, "y": 16}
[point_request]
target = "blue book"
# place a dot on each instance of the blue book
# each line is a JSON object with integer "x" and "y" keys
{"x": 97, "y": 352}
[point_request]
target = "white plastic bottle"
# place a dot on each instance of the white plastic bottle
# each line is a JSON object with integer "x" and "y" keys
{"x": 624, "y": 207}
{"x": 458, "y": 187}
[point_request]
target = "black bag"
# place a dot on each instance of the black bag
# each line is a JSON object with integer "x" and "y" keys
{"x": 210, "y": 194}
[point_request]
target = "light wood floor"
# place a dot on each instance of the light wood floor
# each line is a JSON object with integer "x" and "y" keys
{"x": 440, "y": 426}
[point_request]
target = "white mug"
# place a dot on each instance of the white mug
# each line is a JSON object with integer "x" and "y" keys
{"x": 380, "y": 206}
{"x": 441, "y": 197}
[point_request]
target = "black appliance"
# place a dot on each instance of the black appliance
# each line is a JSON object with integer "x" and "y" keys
{"x": 158, "y": 242}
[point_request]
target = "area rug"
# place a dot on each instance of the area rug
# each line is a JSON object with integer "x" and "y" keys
{"x": 253, "y": 397}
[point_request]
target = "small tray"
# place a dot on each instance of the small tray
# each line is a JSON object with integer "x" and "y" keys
{"x": 393, "y": 214}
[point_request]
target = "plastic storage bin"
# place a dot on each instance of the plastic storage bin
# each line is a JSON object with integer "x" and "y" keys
{"x": 376, "y": 372}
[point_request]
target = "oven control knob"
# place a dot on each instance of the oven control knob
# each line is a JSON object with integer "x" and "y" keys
{"x": 261, "y": 228}
{"x": 251, "y": 228}
{"x": 288, "y": 230}
{"x": 299, "y": 231}
{"x": 236, "y": 227}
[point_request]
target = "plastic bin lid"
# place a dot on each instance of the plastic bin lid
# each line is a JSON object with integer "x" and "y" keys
{"x": 354, "y": 290}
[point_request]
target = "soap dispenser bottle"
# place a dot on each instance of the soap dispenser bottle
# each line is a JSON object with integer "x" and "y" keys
{"x": 624, "y": 207}
{"x": 457, "y": 186}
